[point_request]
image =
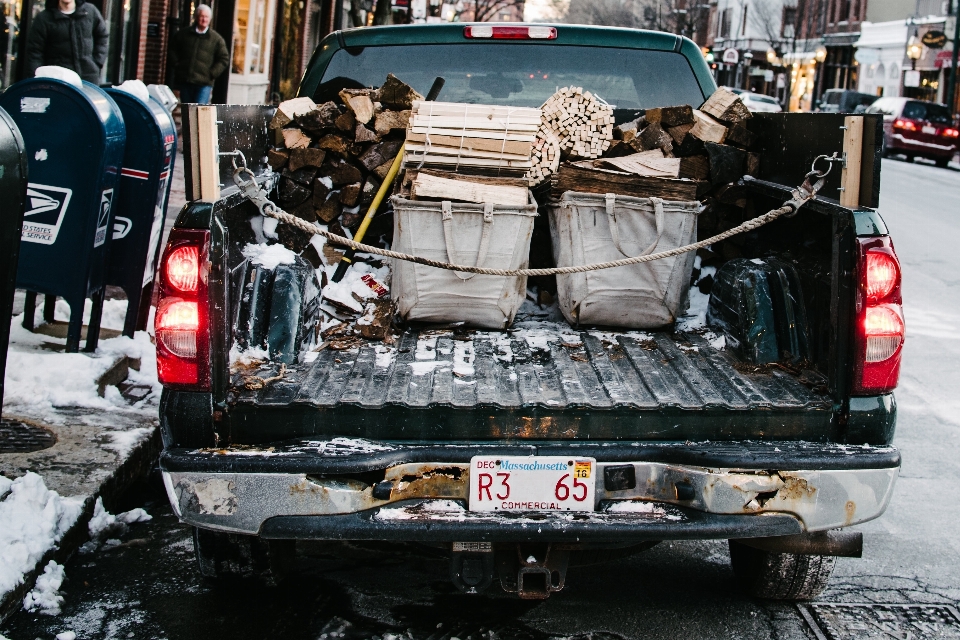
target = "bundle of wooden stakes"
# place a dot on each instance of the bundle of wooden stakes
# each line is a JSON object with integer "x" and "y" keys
{"x": 472, "y": 139}
{"x": 576, "y": 125}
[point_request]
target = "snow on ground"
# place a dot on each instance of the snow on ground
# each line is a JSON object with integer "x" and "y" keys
{"x": 45, "y": 596}
{"x": 40, "y": 378}
{"x": 105, "y": 525}
{"x": 32, "y": 520}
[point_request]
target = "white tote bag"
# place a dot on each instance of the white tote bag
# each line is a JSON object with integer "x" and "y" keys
{"x": 588, "y": 228}
{"x": 483, "y": 235}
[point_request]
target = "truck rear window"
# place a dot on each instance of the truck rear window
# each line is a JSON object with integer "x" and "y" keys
{"x": 520, "y": 74}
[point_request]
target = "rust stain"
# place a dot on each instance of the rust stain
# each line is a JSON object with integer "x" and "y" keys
{"x": 442, "y": 480}
{"x": 795, "y": 488}
{"x": 851, "y": 509}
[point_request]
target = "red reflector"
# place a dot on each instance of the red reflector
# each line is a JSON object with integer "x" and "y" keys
{"x": 882, "y": 275}
{"x": 183, "y": 268}
{"x": 510, "y": 33}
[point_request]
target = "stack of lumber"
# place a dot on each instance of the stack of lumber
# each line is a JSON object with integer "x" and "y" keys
{"x": 576, "y": 125}
{"x": 332, "y": 157}
{"x": 471, "y": 138}
{"x": 432, "y": 184}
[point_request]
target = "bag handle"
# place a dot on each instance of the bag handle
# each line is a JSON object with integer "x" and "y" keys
{"x": 446, "y": 207}
{"x": 611, "y": 199}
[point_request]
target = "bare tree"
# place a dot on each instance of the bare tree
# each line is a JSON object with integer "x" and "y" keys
{"x": 660, "y": 15}
{"x": 487, "y": 10}
{"x": 766, "y": 17}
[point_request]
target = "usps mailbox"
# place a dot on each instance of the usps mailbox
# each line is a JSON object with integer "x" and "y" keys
{"x": 13, "y": 193}
{"x": 141, "y": 202}
{"x": 74, "y": 139}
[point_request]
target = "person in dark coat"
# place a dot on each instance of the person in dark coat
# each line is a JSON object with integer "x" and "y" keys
{"x": 198, "y": 56}
{"x": 71, "y": 34}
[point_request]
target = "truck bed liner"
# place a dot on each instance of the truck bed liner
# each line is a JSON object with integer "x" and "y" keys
{"x": 547, "y": 371}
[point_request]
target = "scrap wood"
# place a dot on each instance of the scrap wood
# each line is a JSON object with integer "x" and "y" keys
{"x": 645, "y": 163}
{"x": 255, "y": 383}
{"x": 453, "y": 187}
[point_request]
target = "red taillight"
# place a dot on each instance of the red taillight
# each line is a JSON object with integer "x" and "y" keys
{"x": 182, "y": 319}
{"x": 950, "y": 133}
{"x": 906, "y": 125}
{"x": 880, "y": 326}
{"x": 883, "y": 274}
{"x": 510, "y": 33}
{"x": 183, "y": 268}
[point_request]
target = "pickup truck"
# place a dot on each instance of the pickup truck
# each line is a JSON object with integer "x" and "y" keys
{"x": 686, "y": 438}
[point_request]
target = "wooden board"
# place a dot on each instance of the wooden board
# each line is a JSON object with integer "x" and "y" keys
{"x": 474, "y": 144}
{"x": 469, "y": 133}
{"x": 852, "y": 152}
{"x": 435, "y": 149}
{"x": 670, "y": 116}
{"x": 464, "y": 189}
{"x": 208, "y": 148}
{"x": 574, "y": 178}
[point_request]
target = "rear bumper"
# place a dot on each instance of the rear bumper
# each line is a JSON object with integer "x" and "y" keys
{"x": 924, "y": 148}
{"x": 356, "y": 490}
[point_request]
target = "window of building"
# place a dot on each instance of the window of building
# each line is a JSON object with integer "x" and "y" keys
{"x": 787, "y": 29}
{"x": 726, "y": 17}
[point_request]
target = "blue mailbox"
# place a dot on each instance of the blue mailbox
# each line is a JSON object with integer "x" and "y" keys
{"x": 74, "y": 138}
{"x": 141, "y": 203}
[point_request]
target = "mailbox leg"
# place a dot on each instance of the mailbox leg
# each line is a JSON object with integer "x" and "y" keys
{"x": 143, "y": 315}
{"x": 49, "y": 306}
{"x": 29, "y": 309}
{"x": 75, "y": 328}
{"x": 93, "y": 328}
{"x": 130, "y": 321}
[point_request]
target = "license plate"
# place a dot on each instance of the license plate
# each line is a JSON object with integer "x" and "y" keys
{"x": 930, "y": 130}
{"x": 532, "y": 483}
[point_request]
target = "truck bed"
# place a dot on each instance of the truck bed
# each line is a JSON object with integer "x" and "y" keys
{"x": 539, "y": 380}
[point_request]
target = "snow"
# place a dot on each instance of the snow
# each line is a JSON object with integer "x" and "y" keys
{"x": 45, "y": 596}
{"x": 251, "y": 356}
{"x": 104, "y": 524}
{"x": 426, "y": 347}
{"x": 696, "y": 315}
{"x": 385, "y": 356}
{"x": 69, "y": 76}
{"x": 269, "y": 256}
{"x": 423, "y": 368}
{"x": 32, "y": 520}
{"x": 135, "y": 88}
{"x": 463, "y": 357}
{"x": 66, "y": 635}
{"x": 40, "y": 378}
{"x": 352, "y": 287}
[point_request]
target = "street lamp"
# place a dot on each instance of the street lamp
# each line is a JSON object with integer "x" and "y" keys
{"x": 820, "y": 53}
{"x": 914, "y": 50}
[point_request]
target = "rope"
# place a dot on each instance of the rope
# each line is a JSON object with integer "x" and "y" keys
{"x": 788, "y": 209}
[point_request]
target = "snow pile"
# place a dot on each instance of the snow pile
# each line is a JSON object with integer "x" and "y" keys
{"x": 696, "y": 315}
{"x": 345, "y": 293}
{"x": 67, "y": 635}
{"x": 45, "y": 596}
{"x": 135, "y": 88}
{"x": 69, "y": 76}
{"x": 41, "y": 378}
{"x": 104, "y": 524}
{"x": 32, "y": 520}
{"x": 269, "y": 256}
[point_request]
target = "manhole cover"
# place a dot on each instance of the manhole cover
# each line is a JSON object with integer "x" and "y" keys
{"x": 17, "y": 437}
{"x": 882, "y": 621}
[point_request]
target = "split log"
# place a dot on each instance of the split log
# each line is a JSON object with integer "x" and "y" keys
{"x": 369, "y": 191}
{"x": 397, "y": 95}
{"x": 359, "y": 102}
{"x": 308, "y": 157}
{"x": 331, "y": 209}
{"x": 653, "y": 137}
{"x": 277, "y": 158}
{"x": 379, "y": 153}
{"x": 574, "y": 178}
{"x": 707, "y": 129}
{"x": 346, "y": 121}
{"x": 726, "y": 106}
{"x": 343, "y": 173}
{"x": 388, "y": 121}
{"x": 288, "y": 110}
{"x": 323, "y": 117}
{"x": 333, "y": 142}
{"x": 670, "y": 116}
{"x": 303, "y": 175}
{"x": 362, "y": 134}
{"x": 295, "y": 139}
{"x": 695, "y": 167}
{"x": 350, "y": 194}
{"x": 291, "y": 193}
{"x": 753, "y": 165}
{"x": 679, "y": 132}
{"x": 726, "y": 163}
{"x": 739, "y": 135}
{"x": 322, "y": 186}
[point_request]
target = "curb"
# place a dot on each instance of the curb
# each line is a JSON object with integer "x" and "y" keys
{"x": 135, "y": 467}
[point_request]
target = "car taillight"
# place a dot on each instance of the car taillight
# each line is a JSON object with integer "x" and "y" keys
{"x": 950, "y": 133}
{"x": 510, "y": 33}
{"x": 182, "y": 323}
{"x": 906, "y": 125}
{"x": 880, "y": 325}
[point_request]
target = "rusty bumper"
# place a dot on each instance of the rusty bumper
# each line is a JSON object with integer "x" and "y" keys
{"x": 275, "y": 493}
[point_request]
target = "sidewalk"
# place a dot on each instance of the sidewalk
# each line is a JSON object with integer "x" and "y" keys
{"x": 92, "y": 431}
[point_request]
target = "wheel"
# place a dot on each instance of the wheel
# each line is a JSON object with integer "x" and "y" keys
{"x": 908, "y": 157}
{"x": 780, "y": 576}
{"x": 229, "y": 557}
{"x": 942, "y": 162}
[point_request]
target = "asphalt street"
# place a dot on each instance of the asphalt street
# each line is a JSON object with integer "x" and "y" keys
{"x": 147, "y": 587}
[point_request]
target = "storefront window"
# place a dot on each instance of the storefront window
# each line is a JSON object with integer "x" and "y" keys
{"x": 8, "y": 41}
{"x": 240, "y": 35}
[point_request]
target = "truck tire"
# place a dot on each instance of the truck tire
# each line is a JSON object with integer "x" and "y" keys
{"x": 228, "y": 557}
{"x": 780, "y": 576}
{"x": 942, "y": 162}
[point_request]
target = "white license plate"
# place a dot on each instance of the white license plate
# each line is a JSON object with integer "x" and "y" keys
{"x": 931, "y": 130}
{"x": 532, "y": 483}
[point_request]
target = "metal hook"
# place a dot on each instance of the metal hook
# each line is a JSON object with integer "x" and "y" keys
{"x": 829, "y": 160}
{"x": 233, "y": 161}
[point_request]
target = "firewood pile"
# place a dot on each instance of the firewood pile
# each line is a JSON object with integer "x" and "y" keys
{"x": 333, "y": 157}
